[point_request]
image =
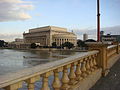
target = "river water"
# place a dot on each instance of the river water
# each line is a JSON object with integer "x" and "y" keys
{"x": 14, "y": 60}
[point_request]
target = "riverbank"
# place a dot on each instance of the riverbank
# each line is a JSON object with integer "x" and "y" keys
{"x": 45, "y": 49}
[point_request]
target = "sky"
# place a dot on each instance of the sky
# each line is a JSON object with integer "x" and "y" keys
{"x": 18, "y": 16}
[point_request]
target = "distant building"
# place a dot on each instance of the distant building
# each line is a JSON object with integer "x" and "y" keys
{"x": 49, "y": 34}
{"x": 18, "y": 40}
{"x": 110, "y": 38}
{"x": 85, "y": 37}
{"x": 19, "y": 44}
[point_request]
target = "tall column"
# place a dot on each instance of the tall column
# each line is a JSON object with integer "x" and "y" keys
{"x": 61, "y": 42}
{"x": 50, "y": 38}
{"x": 58, "y": 42}
{"x": 46, "y": 41}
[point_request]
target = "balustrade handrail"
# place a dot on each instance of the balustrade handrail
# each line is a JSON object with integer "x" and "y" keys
{"x": 111, "y": 46}
{"x": 21, "y": 75}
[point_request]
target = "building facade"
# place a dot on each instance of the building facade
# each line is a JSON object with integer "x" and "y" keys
{"x": 45, "y": 36}
{"x": 18, "y": 40}
{"x": 110, "y": 38}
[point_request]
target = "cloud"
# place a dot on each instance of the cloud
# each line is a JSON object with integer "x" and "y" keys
{"x": 92, "y": 33}
{"x": 115, "y": 30}
{"x": 12, "y": 10}
{"x": 112, "y": 30}
{"x": 10, "y": 37}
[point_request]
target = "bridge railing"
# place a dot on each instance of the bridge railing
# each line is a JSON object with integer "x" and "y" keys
{"x": 66, "y": 72}
{"x": 106, "y": 54}
{"x": 111, "y": 51}
{"x": 73, "y": 69}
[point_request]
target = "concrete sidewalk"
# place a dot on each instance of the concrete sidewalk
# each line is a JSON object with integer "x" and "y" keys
{"x": 111, "y": 81}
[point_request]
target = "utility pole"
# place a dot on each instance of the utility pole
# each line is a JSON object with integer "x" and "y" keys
{"x": 98, "y": 20}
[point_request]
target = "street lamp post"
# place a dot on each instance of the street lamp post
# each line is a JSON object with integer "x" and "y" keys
{"x": 98, "y": 20}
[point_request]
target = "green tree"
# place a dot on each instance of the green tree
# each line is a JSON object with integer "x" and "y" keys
{"x": 2, "y": 43}
{"x": 33, "y": 45}
{"x": 54, "y": 44}
{"x": 81, "y": 43}
{"x": 69, "y": 45}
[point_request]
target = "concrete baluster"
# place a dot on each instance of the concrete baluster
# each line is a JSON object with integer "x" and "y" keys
{"x": 78, "y": 72}
{"x": 15, "y": 86}
{"x": 94, "y": 61}
{"x": 91, "y": 64}
{"x": 65, "y": 79}
{"x": 72, "y": 75}
{"x": 83, "y": 69}
{"x": 88, "y": 65}
{"x": 45, "y": 81}
{"x": 31, "y": 82}
{"x": 56, "y": 82}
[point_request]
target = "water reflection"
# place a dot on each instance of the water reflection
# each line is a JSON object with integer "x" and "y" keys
{"x": 14, "y": 60}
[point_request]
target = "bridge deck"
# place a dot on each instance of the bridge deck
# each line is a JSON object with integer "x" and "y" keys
{"x": 111, "y": 81}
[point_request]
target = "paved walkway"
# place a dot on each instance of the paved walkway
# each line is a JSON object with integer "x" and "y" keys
{"x": 111, "y": 81}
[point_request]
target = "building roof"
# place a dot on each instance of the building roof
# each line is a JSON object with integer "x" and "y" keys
{"x": 46, "y": 28}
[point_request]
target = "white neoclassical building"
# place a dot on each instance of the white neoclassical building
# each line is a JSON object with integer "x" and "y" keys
{"x": 45, "y": 36}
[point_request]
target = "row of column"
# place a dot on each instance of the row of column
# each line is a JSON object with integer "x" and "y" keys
{"x": 61, "y": 41}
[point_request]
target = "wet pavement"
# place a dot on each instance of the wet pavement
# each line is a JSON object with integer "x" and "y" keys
{"x": 111, "y": 81}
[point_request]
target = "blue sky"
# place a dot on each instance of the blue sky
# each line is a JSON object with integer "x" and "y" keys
{"x": 79, "y": 15}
